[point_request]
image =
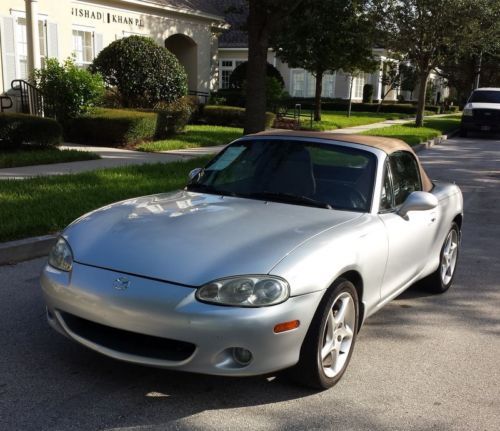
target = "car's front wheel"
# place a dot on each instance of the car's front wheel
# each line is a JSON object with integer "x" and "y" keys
{"x": 329, "y": 343}
{"x": 441, "y": 280}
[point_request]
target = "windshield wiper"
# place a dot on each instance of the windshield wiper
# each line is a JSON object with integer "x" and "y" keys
{"x": 288, "y": 198}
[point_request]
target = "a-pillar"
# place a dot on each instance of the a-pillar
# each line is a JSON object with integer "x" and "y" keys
{"x": 33, "y": 36}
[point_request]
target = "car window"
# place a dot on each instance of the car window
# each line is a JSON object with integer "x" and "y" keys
{"x": 485, "y": 96}
{"x": 386, "y": 196}
{"x": 405, "y": 175}
{"x": 336, "y": 175}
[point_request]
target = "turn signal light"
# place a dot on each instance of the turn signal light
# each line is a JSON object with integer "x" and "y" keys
{"x": 286, "y": 326}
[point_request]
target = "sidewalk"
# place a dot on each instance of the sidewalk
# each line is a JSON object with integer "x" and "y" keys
{"x": 110, "y": 158}
{"x": 116, "y": 157}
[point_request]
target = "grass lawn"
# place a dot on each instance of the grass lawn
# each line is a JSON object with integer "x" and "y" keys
{"x": 42, "y": 156}
{"x": 415, "y": 135}
{"x": 195, "y": 136}
{"x": 45, "y": 205}
{"x": 331, "y": 120}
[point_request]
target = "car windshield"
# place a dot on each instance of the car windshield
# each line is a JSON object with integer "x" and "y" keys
{"x": 291, "y": 171}
{"x": 485, "y": 96}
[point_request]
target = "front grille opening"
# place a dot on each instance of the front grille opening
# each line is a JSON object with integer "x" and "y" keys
{"x": 128, "y": 342}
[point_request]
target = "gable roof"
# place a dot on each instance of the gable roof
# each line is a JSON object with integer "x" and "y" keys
{"x": 235, "y": 13}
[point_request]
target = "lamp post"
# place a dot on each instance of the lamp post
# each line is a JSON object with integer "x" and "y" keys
{"x": 33, "y": 35}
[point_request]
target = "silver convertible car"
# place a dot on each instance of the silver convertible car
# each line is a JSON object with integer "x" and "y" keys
{"x": 272, "y": 257}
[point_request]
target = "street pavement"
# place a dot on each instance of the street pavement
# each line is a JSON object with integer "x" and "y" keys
{"x": 422, "y": 363}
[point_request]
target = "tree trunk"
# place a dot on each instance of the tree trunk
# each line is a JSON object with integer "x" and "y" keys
{"x": 258, "y": 43}
{"x": 422, "y": 89}
{"x": 317, "y": 96}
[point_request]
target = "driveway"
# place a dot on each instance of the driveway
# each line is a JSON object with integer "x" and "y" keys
{"x": 422, "y": 363}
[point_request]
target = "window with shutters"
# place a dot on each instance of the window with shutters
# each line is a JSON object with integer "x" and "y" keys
{"x": 83, "y": 47}
{"x": 303, "y": 84}
{"x": 21, "y": 41}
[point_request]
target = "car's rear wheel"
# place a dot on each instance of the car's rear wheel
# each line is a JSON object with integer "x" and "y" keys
{"x": 329, "y": 343}
{"x": 441, "y": 280}
{"x": 463, "y": 132}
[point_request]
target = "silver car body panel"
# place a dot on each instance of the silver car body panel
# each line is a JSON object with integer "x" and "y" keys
{"x": 168, "y": 244}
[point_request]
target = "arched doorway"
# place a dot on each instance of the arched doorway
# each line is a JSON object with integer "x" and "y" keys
{"x": 186, "y": 50}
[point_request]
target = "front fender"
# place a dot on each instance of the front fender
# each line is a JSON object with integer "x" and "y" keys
{"x": 360, "y": 245}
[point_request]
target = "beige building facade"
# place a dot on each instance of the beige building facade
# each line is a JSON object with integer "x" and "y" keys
{"x": 194, "y": 30}
{"x": 33, "y": 30}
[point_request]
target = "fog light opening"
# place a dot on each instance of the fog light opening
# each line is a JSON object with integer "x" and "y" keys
{"x": 286, "y": 326}
{"x": 242, "y": 356}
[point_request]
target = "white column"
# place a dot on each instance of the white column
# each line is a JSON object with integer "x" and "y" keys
{"x": 33, "y": 36}
{"x": 378, "y": 76}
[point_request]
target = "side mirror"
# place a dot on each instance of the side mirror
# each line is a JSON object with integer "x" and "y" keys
{"x": 418, "y": 201}
{"x": 194, "y": 173}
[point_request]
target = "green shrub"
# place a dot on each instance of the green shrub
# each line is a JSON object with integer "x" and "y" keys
{"x": 174, "y": 116}
{"x": 19, "y": 129}
{"x": 112, "y": 127}
{"x": 68, "y": 90}
{"x": 143, "y": 72}
{"x": 239, "y": 75}
{"x": 218, "y": 115}
{"x": 368, "y": 93}
{"x": 230, "y": 96}
{"x": 341, "y": 105}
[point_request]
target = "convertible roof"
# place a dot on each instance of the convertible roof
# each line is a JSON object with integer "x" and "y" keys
{"x": 387, "y": 145}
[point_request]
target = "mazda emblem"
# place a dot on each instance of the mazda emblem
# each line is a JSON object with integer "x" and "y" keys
{"x": 121, "y": 283}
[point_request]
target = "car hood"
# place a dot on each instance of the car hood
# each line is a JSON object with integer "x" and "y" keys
{"x": 478, "y": 105}
{"x": 192, "y": 238}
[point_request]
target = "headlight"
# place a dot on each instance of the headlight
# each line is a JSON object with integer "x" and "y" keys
{"x": 61, "y": 256}
{"x": 249, "y": 291}
{"x": 467, "y": 112}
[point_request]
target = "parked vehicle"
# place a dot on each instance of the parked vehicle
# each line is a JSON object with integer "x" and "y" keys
{"x": 482, "y": 112}
{"x": 272, "y": 257}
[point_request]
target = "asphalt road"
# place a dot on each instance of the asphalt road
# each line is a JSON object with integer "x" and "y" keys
{"x": 422, "y": 363}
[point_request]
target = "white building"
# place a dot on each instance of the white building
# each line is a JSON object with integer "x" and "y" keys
{"x": 32, "y": 30}
{"x": 196, "y": 31}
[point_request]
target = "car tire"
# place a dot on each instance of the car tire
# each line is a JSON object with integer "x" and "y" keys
{"x": 441, "y": 279}
{"x": 327, "y": 348}
{"x": 463, "y": 132}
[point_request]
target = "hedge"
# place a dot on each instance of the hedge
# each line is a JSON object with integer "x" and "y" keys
{"x": 219, "y": 115}
{"x": 19, "y": 129}
{"x": 118, "y": 127}
{"x": 396, "y": 108}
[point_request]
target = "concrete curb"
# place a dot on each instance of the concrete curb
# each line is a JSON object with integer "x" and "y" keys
{"x": 29, "y": 248}
{"x": 434, "y": 141}
{"x": 25, "y": 249}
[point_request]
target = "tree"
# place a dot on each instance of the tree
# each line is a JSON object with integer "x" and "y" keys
{"x": 391, "y": 79}
{"x": 143, "y": 72}
{"x": 408, "y": 78}
{"x": 424, "y": 30}
{"x": 264, "y": 17}
{"x": 326, "y": 35}
{"x": 477, "y": 61}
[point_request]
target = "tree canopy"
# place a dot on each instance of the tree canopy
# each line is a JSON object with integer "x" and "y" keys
{"x": 326, "y": 35}
{"x": 426, "y": 31}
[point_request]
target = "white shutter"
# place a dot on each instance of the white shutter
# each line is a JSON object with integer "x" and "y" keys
{"x": 98, "y": 43}
{"x": 8, "y": 51}
{"x": 52, "y": 40}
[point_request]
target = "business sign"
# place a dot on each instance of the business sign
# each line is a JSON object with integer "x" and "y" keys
{"x": 106, "y": 17}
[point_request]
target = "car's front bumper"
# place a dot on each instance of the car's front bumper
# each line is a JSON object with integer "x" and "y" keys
{"x": 482, "y": 120}
{"x": 141, "y": 323}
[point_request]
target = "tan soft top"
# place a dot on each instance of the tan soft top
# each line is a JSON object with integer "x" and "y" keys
{"x": 387, "y": 145}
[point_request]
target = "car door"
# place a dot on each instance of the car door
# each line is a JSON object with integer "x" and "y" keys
{"x": 409, "y": 238}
